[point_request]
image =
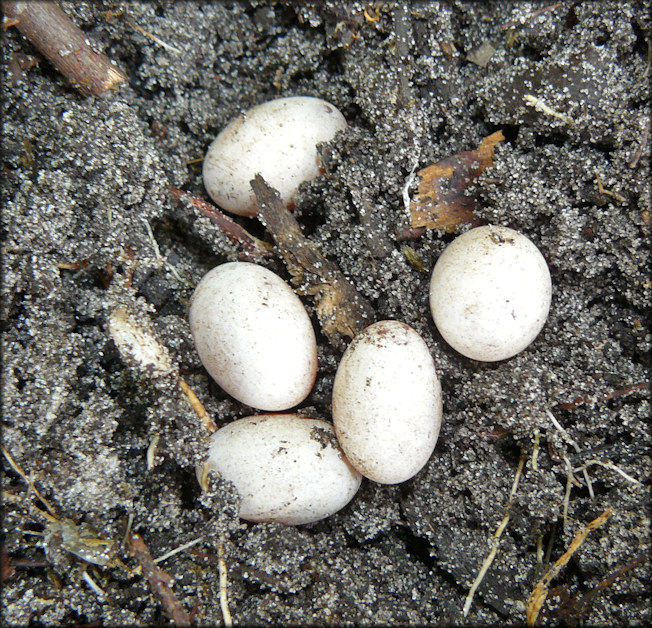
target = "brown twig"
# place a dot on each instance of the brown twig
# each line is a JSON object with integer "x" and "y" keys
{"x": 341, "y": 310}
{"x": 160, "y": 581}
{"x": 605, "y": 396}
{"x": 57, "y": 38}
{"x": 253, "y": 248}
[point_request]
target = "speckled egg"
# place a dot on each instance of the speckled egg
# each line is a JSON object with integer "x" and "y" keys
{"x": 490, "y": 293}
{"x": 387, "y": 402}
{"x": 277, "y": 139}
{"x": 254, "y": 336}
{"x": 287, "y": 468}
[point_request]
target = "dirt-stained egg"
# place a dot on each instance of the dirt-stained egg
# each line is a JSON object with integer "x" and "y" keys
{"x": 287, "y": 468}
{"x": 387, "y": 402}
{"x": 277, "y": 139}
{"x": 490, "y": 293}
{"x": 254, "y": 336}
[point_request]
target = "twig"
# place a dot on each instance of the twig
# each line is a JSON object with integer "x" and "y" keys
{"x": 495, "y": 540}
{"x": 54, "y": 34}
{"x": 540, "y": 591}
{"x": 605, "y": 396}
{"x": 341, "y": 310}
{"x": 160, "y": 581}
{"x": 253, "y": 248}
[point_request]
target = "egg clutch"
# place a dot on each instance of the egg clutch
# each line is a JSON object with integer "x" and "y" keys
{"x": 490, "y": 293}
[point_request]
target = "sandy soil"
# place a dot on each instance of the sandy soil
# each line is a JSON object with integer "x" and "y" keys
{"x": 89, "y": 226}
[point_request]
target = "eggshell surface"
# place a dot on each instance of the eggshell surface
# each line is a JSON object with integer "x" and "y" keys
{"x": 286, "y": 468}
{"x": 387, "y": 403}
{"x": 254, "y": 336}
{"x": 490, "y": 293}
{"x": 277, "y": 139}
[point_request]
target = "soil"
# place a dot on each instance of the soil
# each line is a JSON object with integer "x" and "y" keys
{"x": 89, "y": 226}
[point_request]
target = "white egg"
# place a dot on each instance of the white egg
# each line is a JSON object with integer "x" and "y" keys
{"x": 490, "y": 293}
{"x": 277, "y": 139}
{"x": 286, "y": 468}
{"x": 387, "y": 402}
{"x": 254, "y": 336}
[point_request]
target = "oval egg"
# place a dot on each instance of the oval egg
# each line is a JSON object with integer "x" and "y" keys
{"x": 490, "y": 293}
{"x": 287, "y": 468}
{"x": 254, "y": 336}
{"x": 277, "y": 139}
{"x": 387, "y": 402}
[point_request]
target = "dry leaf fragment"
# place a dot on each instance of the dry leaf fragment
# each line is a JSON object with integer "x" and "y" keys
{"x": 440, "y": 202}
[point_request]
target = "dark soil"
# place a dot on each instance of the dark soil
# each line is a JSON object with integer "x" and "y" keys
{"x": 85, "y": 178}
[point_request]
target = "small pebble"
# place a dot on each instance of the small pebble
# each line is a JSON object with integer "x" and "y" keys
{"x": 277, "y": 139}
{"x": 490, "y": 293}
{"x": 387, "y": 403}
{"x": 287, "y": 468}
{"x": 254, "y": 336}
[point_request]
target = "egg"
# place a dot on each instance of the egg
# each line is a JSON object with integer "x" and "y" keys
{"x": 287, "y": 468}
{"x": 490, "y": 293}
{"x": 277, "y": 139}
{"x": 254, "y": 336}
{"x": 387, "y": 402}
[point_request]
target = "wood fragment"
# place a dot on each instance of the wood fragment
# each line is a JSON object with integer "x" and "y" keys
{"x": 160, "y": 581}
{"x": 57, "y": 38}
{"x": 253, "y": 248}
{"x": 341, "y": 310}
{"x": 441, "y": 202}
{"x": 540, "y": 591}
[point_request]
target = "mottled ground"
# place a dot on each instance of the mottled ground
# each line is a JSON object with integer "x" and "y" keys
{"x": 85, "y": 179}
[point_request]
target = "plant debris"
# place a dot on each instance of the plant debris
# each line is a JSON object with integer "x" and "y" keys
{"x": 441, "y": 202}
{"x": 342, "y": 311}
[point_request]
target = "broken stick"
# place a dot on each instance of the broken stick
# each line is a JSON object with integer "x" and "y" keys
{"x": 342, "y": 311}
{"x": 160, "y": 581}
{"x": 57, "y": 38}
